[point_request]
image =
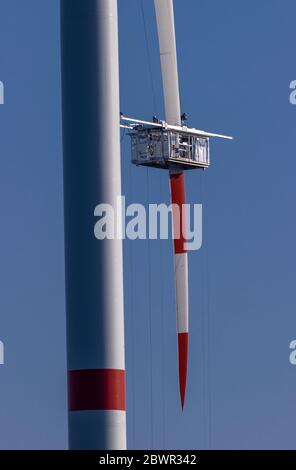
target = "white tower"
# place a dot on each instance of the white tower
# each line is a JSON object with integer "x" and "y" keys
{"x": 94, "y": 274}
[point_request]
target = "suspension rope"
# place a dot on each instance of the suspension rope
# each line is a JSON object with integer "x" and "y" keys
{"x": 206, "y": 324}
{"x": 150, "y": 323}
{"x": 162, "y": 332}
{"x": 203, "y": 328}
{"x": 132, "y": 291}
{"x": 148, "y": 246}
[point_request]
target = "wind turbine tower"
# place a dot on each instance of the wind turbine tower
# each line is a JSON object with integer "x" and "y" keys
{"x": 94, "y": 274}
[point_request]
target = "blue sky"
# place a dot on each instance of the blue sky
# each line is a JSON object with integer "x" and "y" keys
{"x": 236, "y": 63}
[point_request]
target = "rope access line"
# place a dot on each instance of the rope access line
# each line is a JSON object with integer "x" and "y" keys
{"x": 148, "y": 247}
{"x": 132, "y": 319}
{"x": 206, "y": 324}
{"x": 162, "y": 333}
{"x": 150, "y": 323}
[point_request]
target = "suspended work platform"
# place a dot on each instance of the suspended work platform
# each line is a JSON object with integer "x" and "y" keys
{"x": 160, "y": 145}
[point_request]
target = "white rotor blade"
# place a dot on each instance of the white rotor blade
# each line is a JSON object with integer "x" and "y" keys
{"x": 168, "y": 56}
{"x": 169, "y": 68}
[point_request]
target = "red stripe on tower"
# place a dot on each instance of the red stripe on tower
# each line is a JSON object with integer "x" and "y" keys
{"x": 179, "y": 211}
{"x": 96, "y": 389}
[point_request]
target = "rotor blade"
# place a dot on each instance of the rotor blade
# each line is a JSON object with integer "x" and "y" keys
{"x": 181, "y": 276}
{"x": 168, "y": 56}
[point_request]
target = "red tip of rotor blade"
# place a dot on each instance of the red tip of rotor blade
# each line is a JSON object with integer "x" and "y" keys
{"x": 183, "y": 361}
